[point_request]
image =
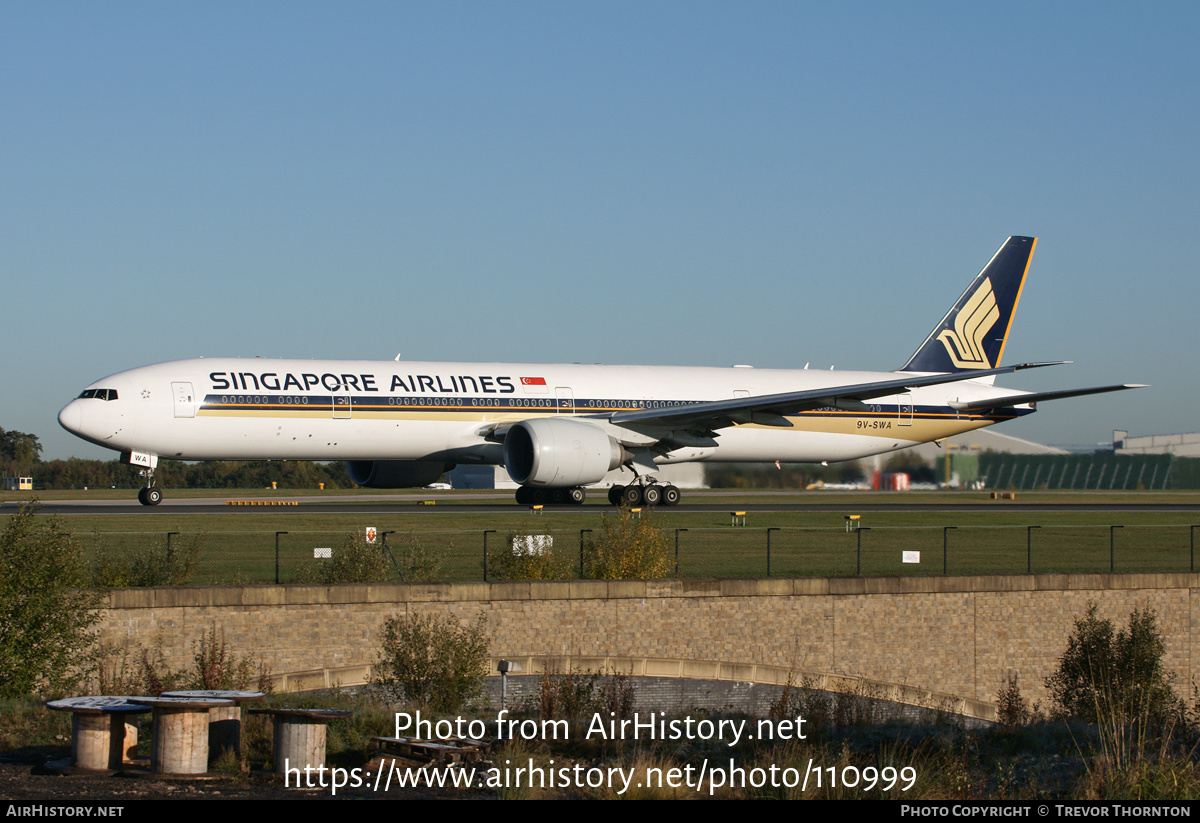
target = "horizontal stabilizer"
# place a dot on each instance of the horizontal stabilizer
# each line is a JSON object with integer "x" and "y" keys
{"x": 1022, "y": 399}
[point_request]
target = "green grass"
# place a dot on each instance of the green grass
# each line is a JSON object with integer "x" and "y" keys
{"x": 988, "y": 537}
{"x": 249, "y": 556}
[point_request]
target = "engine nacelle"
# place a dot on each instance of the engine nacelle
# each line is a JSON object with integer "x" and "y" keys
{"x": 559, "y": 451}
{"x": 395, "y": 474}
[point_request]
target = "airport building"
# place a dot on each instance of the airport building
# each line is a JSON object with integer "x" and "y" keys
{"x": 1180, "y": 445}
{"x": 989, "y": 459}
{"x": 1170, "y": 461}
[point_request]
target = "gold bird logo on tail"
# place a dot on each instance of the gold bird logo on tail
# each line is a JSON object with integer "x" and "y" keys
{"x": 964, "y": 343}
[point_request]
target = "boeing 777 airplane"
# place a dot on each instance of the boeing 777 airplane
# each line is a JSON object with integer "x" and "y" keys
{"x": 558, "y": 428}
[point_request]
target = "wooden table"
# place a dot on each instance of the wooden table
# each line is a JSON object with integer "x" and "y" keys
{"x": 224, "y": 722}
{"x": 299, "y": 739}
{"x": 101, "y": 738}
{"x": 179, "y": 739}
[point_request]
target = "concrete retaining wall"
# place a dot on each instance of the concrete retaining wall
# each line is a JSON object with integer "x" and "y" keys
{"x": 956, "y": 636}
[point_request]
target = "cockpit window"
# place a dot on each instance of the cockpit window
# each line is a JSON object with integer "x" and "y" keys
{"x": 100, "y": 394}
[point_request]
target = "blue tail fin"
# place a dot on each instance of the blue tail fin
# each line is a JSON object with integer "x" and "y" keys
{"x": 972, "y": 334}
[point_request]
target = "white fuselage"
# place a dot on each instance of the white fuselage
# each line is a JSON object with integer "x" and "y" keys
{"x": 257, "y": 409}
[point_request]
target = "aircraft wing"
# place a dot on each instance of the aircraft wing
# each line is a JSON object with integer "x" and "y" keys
{"x": 1022, "y": 399}
{"x": 771, "y": 409}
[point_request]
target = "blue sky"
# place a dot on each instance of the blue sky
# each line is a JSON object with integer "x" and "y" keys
{"x": 669, "y": 183}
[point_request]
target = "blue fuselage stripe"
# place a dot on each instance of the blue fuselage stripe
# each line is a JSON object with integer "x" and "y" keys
{"x": 284, "y": 403}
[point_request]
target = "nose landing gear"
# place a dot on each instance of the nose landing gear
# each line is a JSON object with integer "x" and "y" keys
{"x": 149, "y": 495}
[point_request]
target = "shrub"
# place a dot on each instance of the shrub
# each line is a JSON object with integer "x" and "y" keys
{"x": 162, "y": 562}
{"x": 618, "y": 697}
{"x": 153, "y": 675}
{"x": 357, "y": 561}
{"x": 1106, "y": 674}
{"x": 45, "y": 621}
{"x": 803, "y": 700}
{"x": 219, "y": 668}
{"x": 1011, "y": 709}
{"x": 433, "y": 662}
{"x": 530, "y": 555}
{"x": 417, "y": 559}
{"x": 576, "y": 694}
{"x": 566, "y": 696}
{"x": 118, "y": 669}
{"x": 628, "y": 547}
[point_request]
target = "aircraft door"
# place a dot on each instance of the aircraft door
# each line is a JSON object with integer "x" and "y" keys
{"x": 904, "y": 409}
{"x": 185, "y": 401}
{"x": 565, "y": 401}
{"x": 342, "y": 406}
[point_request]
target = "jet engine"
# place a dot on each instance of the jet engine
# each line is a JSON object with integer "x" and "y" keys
{"x": 395, "y": 474}
{"x": 559, "y": 451}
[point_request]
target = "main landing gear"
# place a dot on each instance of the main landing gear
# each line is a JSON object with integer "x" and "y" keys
{"x": 644, "y": 494}
{"x": 561, "y": 496}
{"x": 647, "y": 492}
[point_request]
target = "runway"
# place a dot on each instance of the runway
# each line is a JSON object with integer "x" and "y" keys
{"x": 501, "y": 502}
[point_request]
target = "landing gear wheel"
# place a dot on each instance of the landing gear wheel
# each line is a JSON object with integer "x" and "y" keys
{"x": 670, "y": 496}
{"x": 652, "y": 495}
{"x": 631, "y": 496}
{"x": 537, "y": 496}
{"x": 614, "y": 495}
{"x": 524, "y": 496}
{"x": 149, "y": 496}
{"x": 558, "y": 496}
{"x": 576, "y": 496}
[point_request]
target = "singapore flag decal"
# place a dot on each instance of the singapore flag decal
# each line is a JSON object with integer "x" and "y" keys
{"x": 534, "y": 385}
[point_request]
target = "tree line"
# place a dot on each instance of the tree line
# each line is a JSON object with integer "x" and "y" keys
{"x": 20, "y": 455}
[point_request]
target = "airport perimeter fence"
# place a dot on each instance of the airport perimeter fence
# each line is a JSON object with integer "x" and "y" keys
{"x": 223, "y": 558}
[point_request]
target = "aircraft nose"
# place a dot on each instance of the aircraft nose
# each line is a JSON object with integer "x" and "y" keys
{"x": 71, "y": 417}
